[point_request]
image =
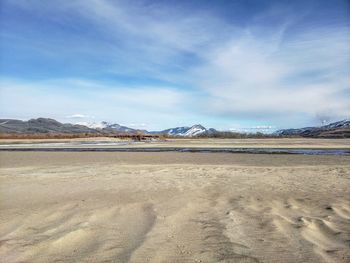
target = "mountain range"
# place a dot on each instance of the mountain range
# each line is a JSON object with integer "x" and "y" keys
{"x": 110, "y": 127}
{"x": 46, "y": 125}
{"x": 194, "y": 130}
{"x": 340, "y": 129}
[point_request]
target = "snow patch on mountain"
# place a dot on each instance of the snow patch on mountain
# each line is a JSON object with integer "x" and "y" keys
{"x": 313, "y": 131}
{"x": 94, "y": 125}
{"x": 195, "y": 130}
{"x": 107, "y": 126}
{"x": 185, "y": 131}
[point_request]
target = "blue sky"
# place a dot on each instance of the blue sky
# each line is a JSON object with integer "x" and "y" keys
{"x": 158, "y": 64}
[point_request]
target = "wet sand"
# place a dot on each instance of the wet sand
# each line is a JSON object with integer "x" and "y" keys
{"x": 173, "y": 207}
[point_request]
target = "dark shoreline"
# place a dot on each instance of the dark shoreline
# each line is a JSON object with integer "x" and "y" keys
{"x": 304, "y": 151}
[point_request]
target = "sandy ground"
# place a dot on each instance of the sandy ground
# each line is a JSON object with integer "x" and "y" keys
{"x": 203, "y": 143}
{"x": 253, "y": 143}
{"x": 173, "y": 207}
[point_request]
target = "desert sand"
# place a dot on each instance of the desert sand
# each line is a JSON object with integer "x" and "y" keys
{"x": 173, "y": 207}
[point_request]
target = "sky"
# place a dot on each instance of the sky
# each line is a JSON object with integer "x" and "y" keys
{"x": 232, "y": 65}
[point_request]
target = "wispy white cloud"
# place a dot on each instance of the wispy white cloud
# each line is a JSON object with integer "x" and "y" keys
{"x": 78, "y": 116}
{"x": 280, "y": 72}
{"x": 264, "y": 77}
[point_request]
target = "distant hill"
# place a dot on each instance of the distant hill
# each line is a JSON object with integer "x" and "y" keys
{"x": 41, "y": 125}
{"x": 339, "y": 129}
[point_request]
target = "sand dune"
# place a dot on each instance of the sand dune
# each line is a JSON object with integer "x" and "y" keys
{"x": 122, "y": 212}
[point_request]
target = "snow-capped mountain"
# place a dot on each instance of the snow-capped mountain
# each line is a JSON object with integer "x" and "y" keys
{"x": 195, "y": 130}
{"x": 94, "y": 125}
{"x": 335, "y": 129}
{"x": 106, "y": 126}
{"x": 192, "y": 131}
{"x": 338, "y": 125}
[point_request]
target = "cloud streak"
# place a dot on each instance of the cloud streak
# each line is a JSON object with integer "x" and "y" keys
{"x": 78, "y": 116}
{"x": 152, "y": 59}
{"x": 298, "y": 77}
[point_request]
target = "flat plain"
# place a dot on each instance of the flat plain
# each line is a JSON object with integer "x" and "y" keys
{"x": 176, "y": 207}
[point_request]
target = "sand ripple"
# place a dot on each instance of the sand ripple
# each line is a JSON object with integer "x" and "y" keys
{"x": 175, "y": 213}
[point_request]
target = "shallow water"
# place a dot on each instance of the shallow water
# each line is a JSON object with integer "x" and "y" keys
{"x": 69, "y": 147}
